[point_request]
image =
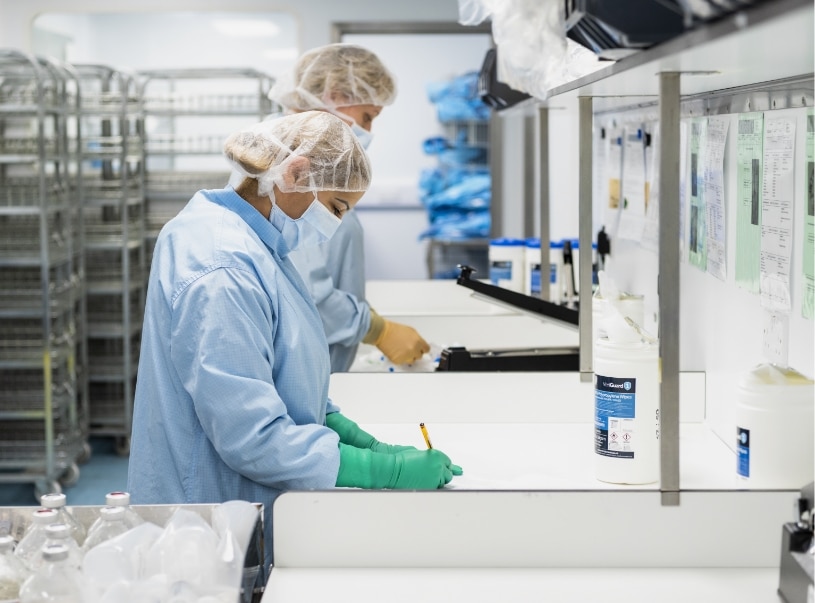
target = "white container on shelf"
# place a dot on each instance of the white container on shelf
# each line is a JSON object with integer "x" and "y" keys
{"x": 626, "y": 418}
{"x": 507, "y": 263}
{"x": 774, "y": 434}
{"x": 532, "y": 257}
{"x": 556, "y": 272}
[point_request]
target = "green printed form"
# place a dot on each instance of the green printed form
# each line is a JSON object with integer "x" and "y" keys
{"x": 697, "y": 233}
{"x": 750, "y": 142}
{"x": 809, "y": 222}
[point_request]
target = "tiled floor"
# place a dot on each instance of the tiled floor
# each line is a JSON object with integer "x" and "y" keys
{"x": 104, "y": 472}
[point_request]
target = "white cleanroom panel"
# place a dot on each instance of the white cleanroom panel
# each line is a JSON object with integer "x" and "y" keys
{"x": 543, "y": 529}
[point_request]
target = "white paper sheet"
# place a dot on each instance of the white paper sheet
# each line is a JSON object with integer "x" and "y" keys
{"x": 715, "y": 142}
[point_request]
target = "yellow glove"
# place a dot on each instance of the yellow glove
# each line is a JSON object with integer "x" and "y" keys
{"x": 400, "y": 343}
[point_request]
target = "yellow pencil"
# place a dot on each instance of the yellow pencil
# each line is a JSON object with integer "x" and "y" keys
{"x": 426, "y": 437}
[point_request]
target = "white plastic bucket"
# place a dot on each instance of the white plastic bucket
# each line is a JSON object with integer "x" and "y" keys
{"x": 507, "y": 263}
{"x": 774, "y": 428}
{"x": 626, "y": 412}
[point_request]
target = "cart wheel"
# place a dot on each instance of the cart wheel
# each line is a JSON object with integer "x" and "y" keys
{"x": 123, "y": 446}
{"x": 46, "y": 487}
{"x": 85, "y": 455}
{"x": 70, "y": 477}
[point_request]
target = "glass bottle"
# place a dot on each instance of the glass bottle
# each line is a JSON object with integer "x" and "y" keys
{"x": 109, "y": 524}
{"x": 59, "y": 533}
{"x": 12, "y": 570}
{"x": 57, "y": 501}
{"x": 122, "y": 499}
{"x": 55, "y": 581}
{"x": 34, "y": 538}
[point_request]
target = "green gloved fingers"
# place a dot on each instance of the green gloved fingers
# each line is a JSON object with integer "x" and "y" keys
{"x": 363, "y": 468}
{"x": 390, "y": 448}
{"x": 350, "y": 433}
{"x": 406, "y": 470}
{"x": 421, "y": 470}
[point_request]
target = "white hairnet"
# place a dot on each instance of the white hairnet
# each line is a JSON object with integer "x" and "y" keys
{"x": 336, "y": 75}
{"x": 311, "y": 151}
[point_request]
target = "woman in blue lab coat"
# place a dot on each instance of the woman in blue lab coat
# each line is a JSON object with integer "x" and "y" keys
{"x": 352, "y": 83}
{"x": 232, "y": 393}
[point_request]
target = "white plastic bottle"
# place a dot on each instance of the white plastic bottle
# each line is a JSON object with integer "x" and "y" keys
{"x": 507, "y": 263}
{"x": 59, "y": 533}
{"x": 58, "y": 501}
{"x": 775, "y": 410}
{"x": 55, "y": 581}
{"x": 12, "y": 570}
{"x": 626, "y": 402}
{"x": 109, "y": 524}
{"x": 122, "y": 499}
{"x": 33, "y": 540}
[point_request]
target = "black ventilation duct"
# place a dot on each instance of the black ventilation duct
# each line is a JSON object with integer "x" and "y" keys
{"x": 494, "y": 93}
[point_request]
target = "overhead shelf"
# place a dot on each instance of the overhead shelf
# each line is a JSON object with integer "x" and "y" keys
{"x": 768, "y": 42}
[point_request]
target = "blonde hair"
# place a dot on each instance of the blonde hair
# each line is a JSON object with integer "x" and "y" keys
{"x": 336, "y": 75}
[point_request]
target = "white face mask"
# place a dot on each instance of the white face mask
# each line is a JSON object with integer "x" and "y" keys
{"x": 316, "y": 225}
{"x": 363, "y": 135}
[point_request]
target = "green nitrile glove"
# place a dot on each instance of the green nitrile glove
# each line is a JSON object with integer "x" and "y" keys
{"x": 363, "y": 468}
{"x": 408, "y": 470}
{"x": 423, "y": 470}
{"x": 351, "y": 434}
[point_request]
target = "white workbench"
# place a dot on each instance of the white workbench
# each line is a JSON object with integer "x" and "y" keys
{"x": 447, "y": 314}
{"x": 527, "y": 521}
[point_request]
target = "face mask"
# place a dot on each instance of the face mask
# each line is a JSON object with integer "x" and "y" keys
{"x": 316, "y": 225}
{"x": 363, "y": 135}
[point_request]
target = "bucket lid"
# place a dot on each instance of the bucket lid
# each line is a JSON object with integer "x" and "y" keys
{"x": 507, "y": 242}
{"x": 768, "y": 374}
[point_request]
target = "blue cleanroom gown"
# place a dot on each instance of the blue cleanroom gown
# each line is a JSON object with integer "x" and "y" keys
{"x": 233, "y": 375}
{"x": 334, "y": 272}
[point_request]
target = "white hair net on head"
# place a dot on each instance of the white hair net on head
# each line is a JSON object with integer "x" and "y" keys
{"x": 336, "y": 75}
{"x": 311, "y": 151}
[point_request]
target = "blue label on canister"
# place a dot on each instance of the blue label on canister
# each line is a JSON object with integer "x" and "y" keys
{"x": 500, "y": 270}
{"x": 535, "y": 279}
{"x": 743, "y": 451}
{"x": 614, "y": 412}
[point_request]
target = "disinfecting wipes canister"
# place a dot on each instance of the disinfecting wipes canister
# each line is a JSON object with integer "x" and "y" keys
{"x": 774, "y": 428}
{"x": 507, "y": 263}
{"x": 626, "y": 412}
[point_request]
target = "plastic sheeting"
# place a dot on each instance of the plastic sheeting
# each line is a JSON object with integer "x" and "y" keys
{"x": 534, "y": 54}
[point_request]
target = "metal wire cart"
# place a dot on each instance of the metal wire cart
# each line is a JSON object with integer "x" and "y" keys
{"x": 112, "y": 194}
{"x": 43, "y": 425}
{"x": 188, "y": 114}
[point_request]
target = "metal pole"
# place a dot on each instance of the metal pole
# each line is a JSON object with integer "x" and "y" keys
{"x": 528, "y": 226}
{"x": 496, "y": 158}
{"x": 585, "y": 140}
{"x": 542, "y": 193}
{"x": 668, "y": 285}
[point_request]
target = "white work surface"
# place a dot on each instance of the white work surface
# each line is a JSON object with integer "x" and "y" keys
{"x": 493, "y": 332}
{"x": 527, "y": 521}
{"x": 341, "y": 585}
{"x": 427, "y": 297}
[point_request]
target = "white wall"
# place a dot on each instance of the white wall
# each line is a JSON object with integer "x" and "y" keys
{"x": 179, "y": 34}
{"x": 313, "y": 17}
{"x": 721, "y": 324}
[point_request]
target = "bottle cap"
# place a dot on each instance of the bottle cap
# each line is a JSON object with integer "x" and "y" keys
{"x": 53, "y": 500}
{"x": 117, "y": 499}
{"x": 58, "y": 530}
{"x": 45, "y": 516}
{"x": 6, "y": 543}
{"x": 54, "y": 552}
